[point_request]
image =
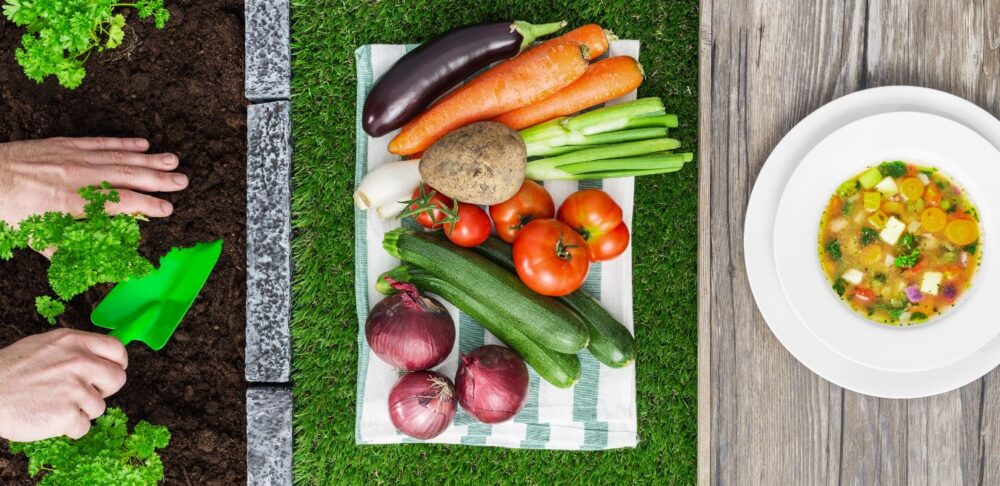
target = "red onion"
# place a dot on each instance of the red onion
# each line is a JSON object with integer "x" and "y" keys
{"x": 492, "y": 383}
{"x": 422, "y": 404}
{"x": 410, "y": 330}
{"x": 913, "y": 294}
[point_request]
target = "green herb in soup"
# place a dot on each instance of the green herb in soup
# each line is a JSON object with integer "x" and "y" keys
{"x": 899, "y": 243}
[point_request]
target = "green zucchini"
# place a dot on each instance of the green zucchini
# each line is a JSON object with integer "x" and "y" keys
{"x": 610, "y": 341}
{"x": 561, "y": 370}
{"x": 542, "y": 319}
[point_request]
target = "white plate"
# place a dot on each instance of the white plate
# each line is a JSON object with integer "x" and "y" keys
{"x": 958, "y": 152}
{"x": 759, "y": 233}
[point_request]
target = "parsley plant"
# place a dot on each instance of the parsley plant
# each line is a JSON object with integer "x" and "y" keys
{"x": 61, "y": 34}
{"x": 99, "y": 248}
{"x": 108, "y": 454}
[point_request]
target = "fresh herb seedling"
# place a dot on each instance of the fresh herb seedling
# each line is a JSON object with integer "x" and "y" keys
{"x": 99, "y": 248}
{"x": 61, "y": 35}
{"x": 108, "y": 454}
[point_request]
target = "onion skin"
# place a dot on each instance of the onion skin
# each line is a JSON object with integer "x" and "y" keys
{"x": 409, "y": 330}
{"x": 422, "y": 404}
{"x": 492, "y": 383}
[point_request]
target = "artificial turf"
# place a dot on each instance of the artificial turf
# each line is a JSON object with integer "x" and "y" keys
{"x": 324, "y": 324}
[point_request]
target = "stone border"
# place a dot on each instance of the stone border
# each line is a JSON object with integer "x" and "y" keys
{"x": 269, "y": 435}
{"x": 269, "y": 255}
{"x": 269, "y": 262}
{"x": 268, "y": 52}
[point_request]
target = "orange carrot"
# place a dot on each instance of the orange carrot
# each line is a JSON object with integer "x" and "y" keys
{"x": 534, "y": 75}
{"x": 591, "y": 35}
{"x": 604, "y": 80}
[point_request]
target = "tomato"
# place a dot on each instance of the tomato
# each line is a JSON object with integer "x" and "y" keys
{"x": 864, "y": 294}
{"x": 550, "y": 257}
{"x": 427, "y": 198}
{"x": 598, "y": 219}
{"x": 471, "y": 228}
{"x": 531, "y": 202}
{"x": 608, "y": 245}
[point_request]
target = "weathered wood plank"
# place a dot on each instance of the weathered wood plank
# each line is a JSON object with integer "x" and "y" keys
{"x": 764, "y": 418}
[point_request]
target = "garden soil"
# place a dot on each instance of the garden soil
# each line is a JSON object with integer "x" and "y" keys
{"x": 182, "y": 88}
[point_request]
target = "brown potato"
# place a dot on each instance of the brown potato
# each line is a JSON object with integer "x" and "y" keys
{"x": 482, "y": 163}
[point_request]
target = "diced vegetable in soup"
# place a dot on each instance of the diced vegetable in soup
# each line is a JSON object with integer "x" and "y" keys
{"x": 899, "y": 243}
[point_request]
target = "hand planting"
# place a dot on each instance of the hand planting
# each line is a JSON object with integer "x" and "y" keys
{"x": 100, "y": 248}
{"x": 61, "y": 35}
{"x": 53, "y": 384}
{"x": 107, "y": 455}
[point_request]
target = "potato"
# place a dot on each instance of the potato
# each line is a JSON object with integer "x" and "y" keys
{"x": 482, "y": 163}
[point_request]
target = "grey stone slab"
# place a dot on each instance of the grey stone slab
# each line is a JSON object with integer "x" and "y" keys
{"x": 269, "y": 436}
{"x": 268, "y": 55}
{"x": 269, "y": 256}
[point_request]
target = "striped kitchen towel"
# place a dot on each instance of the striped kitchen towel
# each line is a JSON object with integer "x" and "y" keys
{"x": 597, "y": 413}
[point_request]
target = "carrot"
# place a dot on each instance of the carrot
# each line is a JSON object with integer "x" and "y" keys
{"x": 604, "y": 80}
{"x": 591, "y": 35}
{"x": 534, "y": 75}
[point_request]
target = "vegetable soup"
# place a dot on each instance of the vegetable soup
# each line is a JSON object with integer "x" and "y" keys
{"x": 899, "y": 243}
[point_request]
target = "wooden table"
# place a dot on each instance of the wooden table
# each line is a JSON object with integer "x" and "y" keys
{"x": 763, "y": 418}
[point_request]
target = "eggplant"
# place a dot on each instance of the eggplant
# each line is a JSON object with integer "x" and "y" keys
{"x": 429, "y": 71}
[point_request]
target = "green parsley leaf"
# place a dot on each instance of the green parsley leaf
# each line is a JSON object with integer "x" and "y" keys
{"x": 99, "y": 248}
{"x": 61, "y": 34}
{"x": 868, "y": 236}
{"x": 840, "y": 286}
{"x": 832, "y": 249}
{"x": 908, "y": 260}
{"x": 108, "y": 454}
{"x": 892, "y": 169}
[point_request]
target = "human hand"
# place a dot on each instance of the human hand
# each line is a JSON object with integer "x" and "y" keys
{"x": 38, "y": 176}
{"x": 55, "y": 383}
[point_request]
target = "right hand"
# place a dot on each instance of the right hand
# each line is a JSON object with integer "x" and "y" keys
{"x": 54, "y": 384}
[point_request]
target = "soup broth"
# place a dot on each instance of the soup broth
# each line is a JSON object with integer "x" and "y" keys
{"x": 899, "y": 243}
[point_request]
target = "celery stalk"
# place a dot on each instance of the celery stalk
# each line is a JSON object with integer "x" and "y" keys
{"x": 547, "y": 147}
{"x": 544, "y": 131}
{"x": 614, "y": 117}
{"x": 666, "y": 121}
{"x": 611, "y": 168}
{"x": 562, "y": 149}
{"x": 616, "y": 151}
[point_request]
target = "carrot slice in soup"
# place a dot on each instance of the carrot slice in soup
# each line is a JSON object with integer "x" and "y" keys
{"x": 961, "y": 231}
{"x": 912, "y": 188}
{"x": 933, "y": 219}
{"x": 871, "y": 255}
{"x": 932, "y": 196}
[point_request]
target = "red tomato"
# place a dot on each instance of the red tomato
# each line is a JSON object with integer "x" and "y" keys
{"x": 864, "y": 294}
{"x": 608, "y": 245}
{"x": 550, "y": 257}
{"x": 531, "y": 202}
{"x": 598, "y": 219}
{"x": 471, "y": 228}
{"x": 427, "y": 198}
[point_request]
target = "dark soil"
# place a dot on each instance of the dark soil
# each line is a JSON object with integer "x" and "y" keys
{"x": 182, "y": 88}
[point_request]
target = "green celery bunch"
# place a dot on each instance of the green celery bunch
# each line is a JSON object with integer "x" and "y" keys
{"x": 624, "y": 140}
{"x": 99, "y": 248}
{"x": 108, "y": 454}
{"x": 61, "y": 34}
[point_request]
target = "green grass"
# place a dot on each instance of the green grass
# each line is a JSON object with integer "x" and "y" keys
{"x": 324, "y": 36}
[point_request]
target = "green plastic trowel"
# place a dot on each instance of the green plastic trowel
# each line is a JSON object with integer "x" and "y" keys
{"x": 150, "y": 308}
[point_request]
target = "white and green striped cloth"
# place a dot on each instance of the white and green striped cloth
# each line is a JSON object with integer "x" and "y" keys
{"x": 597, "y": 413}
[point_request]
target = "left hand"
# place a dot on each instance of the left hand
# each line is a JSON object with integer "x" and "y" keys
{"x": 38, "y": 176}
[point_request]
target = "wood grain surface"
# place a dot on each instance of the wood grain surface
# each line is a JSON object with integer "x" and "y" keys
{"x": 763, "y": 418}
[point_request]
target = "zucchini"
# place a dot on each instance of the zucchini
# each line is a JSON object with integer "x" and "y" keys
{"x": 561, "y": 370}
{"x": 542, "y": 319}
{"x": 610, "y": 342}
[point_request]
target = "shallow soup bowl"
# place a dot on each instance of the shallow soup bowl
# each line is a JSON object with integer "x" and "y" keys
{"x": 919, "y": 138}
